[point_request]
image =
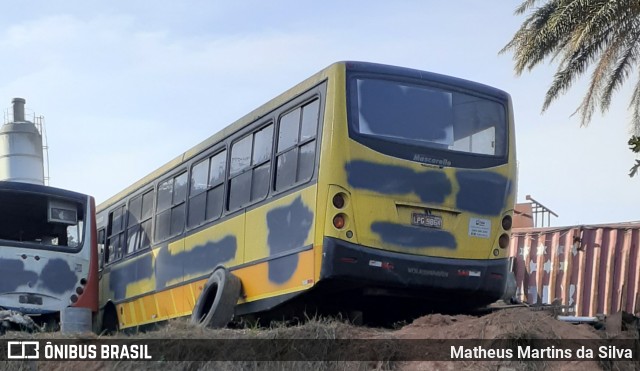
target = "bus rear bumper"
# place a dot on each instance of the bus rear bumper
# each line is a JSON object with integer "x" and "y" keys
{"x": 372, "y": 271}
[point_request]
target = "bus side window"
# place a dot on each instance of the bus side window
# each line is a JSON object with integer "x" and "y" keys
{"x": 261, "y": 162}
{"x": 250, "y": 169}
{"x": 206, "y": 191}
{"x": 296, "y": 151}
{"x": 101, "y": 253}
{"x": 145, "y": 225}
{"x": 139, "y": 222}
{"x": 115, "y": 232}
{"x": 133, "y": 225}
{"x": 239, "y": 175}
{"x": 170, "y": 207}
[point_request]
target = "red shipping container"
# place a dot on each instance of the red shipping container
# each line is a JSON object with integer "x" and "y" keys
{"x": 593, "y": 268}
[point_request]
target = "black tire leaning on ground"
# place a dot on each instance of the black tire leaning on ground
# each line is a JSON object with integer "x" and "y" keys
{"x": 216, "y": 305}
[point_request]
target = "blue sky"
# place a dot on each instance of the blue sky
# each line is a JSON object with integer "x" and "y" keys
{"x": 127, "y": 86}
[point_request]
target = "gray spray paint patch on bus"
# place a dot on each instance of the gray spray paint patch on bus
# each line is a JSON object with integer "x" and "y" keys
{"x": 134, "y": 270}
{"x": 169, "y": 267}
{"x": 482, "y": 192}
{"x": 430, "y": 186}
{"x": 201, "y": 259}
{"x": 288, "y": 227}
{"x": 58, "y": 277}
{"x": 14, "y": 275}
{"x": 415, "y": 237}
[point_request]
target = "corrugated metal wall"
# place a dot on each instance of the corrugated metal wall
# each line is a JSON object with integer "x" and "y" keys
{"x": 594, "y": 268}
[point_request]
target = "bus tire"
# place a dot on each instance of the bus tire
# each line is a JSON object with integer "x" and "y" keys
{"x": 216, "y": 305}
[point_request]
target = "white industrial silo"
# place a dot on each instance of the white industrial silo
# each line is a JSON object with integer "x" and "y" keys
{"x": 21, "y": 157}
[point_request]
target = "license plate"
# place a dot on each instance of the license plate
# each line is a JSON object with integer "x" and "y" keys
{"x": 30, "y": 299}
{"x": 426, "y": 220}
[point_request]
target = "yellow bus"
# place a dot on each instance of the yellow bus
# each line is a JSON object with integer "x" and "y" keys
{"x": 365, "y": 187}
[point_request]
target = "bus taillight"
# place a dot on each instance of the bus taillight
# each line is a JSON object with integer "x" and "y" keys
{"x": 507, "y": 222}
{"x": 503, "y": 241}
{"x": 339, "y": 221}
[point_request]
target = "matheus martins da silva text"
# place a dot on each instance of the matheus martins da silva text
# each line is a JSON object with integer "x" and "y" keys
{"x": 550, "y": 352}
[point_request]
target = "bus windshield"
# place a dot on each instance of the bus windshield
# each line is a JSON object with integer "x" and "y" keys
{"x": 37, "y": 220}
{"x": 428, "y": 117}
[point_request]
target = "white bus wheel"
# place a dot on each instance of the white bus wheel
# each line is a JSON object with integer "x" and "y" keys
{"x": 216, "y": 305}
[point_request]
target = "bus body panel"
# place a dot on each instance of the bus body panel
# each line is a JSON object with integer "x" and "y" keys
{"x": 39, "y": 282}
{"x": 164, "y": 282}
{"x": 385, "y": 195}
{"x": 139, "y": 279}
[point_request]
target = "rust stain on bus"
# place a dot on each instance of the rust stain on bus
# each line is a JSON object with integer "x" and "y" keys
{"x": 594, "y": 268}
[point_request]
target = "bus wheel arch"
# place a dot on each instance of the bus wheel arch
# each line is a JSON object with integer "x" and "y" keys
{"x": 215, "y": 306}
{"x": 110, "y": 319}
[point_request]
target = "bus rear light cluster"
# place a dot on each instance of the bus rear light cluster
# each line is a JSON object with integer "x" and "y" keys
{"x": 507, "y": 222}
{"x": 79, "y": 290}
{"x": 342, "y": 210}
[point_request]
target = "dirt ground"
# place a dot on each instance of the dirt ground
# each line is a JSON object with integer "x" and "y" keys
{"x": 521, "y": 326}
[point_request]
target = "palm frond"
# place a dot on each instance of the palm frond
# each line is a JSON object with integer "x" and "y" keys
{"x": 573, "y": 64}
{"x": 532, "y": 43}
{"x": 605, "y": 70}
{"x": 628, "y": 58}
{"x": 634, "y": 106}
{"x": 526, "y": 5}
{"x": 576, "y": 34}
{"x": 601, "y": 15}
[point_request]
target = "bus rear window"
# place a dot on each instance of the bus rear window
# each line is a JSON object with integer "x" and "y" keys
{"x": 38, "y": 219}
{"x": 428, "y": 117}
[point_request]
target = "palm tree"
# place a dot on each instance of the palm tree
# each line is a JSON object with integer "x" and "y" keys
{"x": 578, "y": 34}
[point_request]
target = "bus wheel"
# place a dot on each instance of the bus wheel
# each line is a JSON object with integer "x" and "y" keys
{"x": 216, "y": 305}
